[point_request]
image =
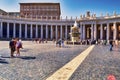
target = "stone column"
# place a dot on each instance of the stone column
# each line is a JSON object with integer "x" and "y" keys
{"x": 51, "y": 32}
{"x": 81, "y": 32}
{"x": 56, "y": 32}
{"x": 108, "y": 31}
{"x": 36, "y": 31}
{"x": 1, "y": 29}
{"x": 31, "y": 32}
{"x": 20, "y": 31}
{"x": 115, "y": 31}
{"x": 92, "y": 32}
{"x": 84, "y": 34}
{"x": 41, "y": 31}
{"x": 61, "y": 32}
{"x": 7, "y": 30}
{"x": 25, "y": 30}
{"x": 95, "y": 31}
{"x": 46, "y": 31}
{"x": 101, "y": 32}
{"x": 14, "y": 30}
{"x": 66, "y": 32}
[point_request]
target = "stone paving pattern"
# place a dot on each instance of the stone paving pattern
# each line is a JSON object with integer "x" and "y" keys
{"x": 99, "y": 64}
{"x": 37, "y": 62}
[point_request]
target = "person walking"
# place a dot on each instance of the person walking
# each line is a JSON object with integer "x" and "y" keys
{"x": 12, "y": 47}
{"x": 111, "y": 44}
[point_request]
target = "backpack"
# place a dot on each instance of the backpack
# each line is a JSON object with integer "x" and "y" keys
{"x": 11, "y": 44}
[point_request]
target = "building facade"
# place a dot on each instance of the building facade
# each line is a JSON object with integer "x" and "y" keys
{"x": 2, "y": 12}
{"x": 91, "y": 27}
{"x": 40, "y": 10}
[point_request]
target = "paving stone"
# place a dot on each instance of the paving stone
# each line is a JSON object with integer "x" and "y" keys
{"x": 37, "y": 61}
{"x": 99, "y": 64}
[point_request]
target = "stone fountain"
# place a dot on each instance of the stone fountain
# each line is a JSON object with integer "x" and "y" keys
{"x": 75, "y": 34}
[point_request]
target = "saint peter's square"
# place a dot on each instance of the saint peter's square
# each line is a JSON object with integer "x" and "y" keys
{"x": 82, "y": 47}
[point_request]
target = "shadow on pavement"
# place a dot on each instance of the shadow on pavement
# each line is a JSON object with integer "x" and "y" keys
{"x": 27, "y": 57}
{"x": 3, "y": 61}
{"x": 6, "y": 57}
{"x": 21, "y": 57}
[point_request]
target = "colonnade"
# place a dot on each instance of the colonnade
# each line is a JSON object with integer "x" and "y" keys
{"x": 94, "y": 30}
{"x": 29, "y": 31}
{"x": 102, "y": 31}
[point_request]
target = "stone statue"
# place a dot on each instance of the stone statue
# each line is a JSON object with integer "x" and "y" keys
{"x": 107, "y": 14}
{"x": 114, "y": 13}
{"x": 71, "y": 17}
{"x": 80, "y": 16}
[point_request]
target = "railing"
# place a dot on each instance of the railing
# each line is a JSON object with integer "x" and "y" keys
{"x": 37, "y": 19}
{"x": 32, "y": 19}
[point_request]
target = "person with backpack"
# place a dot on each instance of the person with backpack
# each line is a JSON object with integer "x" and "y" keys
{"x": 12, "y": 46}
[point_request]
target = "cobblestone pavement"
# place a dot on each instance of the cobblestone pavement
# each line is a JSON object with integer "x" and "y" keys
{"x": 99, "y": 65}
{"x": 37, "y": 61}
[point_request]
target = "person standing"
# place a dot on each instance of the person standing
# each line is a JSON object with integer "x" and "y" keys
{"x": 12, "y": 44}
{"x": 18, "y": 46}
{"x": 62, "y": 42}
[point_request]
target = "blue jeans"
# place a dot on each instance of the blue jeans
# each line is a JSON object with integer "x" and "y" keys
{"x": 111, "y": 47}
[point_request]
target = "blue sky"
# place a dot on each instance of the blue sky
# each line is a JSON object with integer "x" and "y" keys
{"x": 70, "y": 7}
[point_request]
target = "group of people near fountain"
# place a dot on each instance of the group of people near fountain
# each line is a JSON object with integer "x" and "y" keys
{"x": 15, "y": 44}
{"x": 39, "y": 40}
{"x": 59, "y": 42}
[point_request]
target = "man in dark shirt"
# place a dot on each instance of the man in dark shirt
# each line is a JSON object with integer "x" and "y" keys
{"x": 12, "y": 46}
